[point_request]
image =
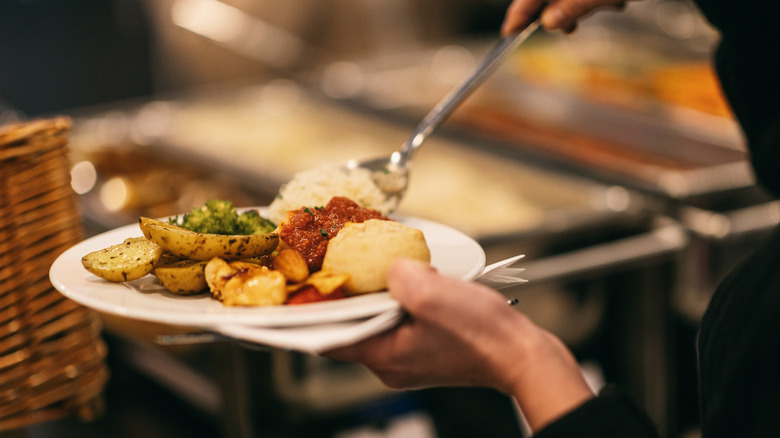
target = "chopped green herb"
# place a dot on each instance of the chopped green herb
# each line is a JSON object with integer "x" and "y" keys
{"x": 324, "y": 233}
{"x": 306, "y": 209}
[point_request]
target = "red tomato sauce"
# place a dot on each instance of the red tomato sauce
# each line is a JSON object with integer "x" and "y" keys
{"x": 309, "y": 229}
{"x": 310, "y": 294}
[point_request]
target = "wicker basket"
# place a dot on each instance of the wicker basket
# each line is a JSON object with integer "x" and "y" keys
{"x": 52, "y": 358}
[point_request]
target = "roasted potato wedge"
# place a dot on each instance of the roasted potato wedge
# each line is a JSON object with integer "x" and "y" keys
{"x": 245, "y": 284}
{"x": 182, "y": 277}
{"x": 326, "y": 281}
{"x": 196, "y": 246}
{"x": 168, "y": 258}
{"x": 292, "y": 264}
{"x": 127, "y": 261}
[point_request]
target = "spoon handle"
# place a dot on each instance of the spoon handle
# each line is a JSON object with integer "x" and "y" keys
{"x": 446, "y": 106}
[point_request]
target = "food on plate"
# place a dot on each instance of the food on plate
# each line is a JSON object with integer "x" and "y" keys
{"x": 255, "y": 283}
{"x": 326, "y": 282}
{"x": 318, "y": 185}
{"x": 319, "y": 286}
{"x": 240, "y": 283}
{"x": 220, "y": 217}
{"x": 306, "y": 259}
{"x": 310, "y": 294}
{"x": 198, "y": 246}
{"x": 309, "y": 229}
{"x": 182, "y": 277}
{"x": 129, "y": 260}
{"x": 292, "y": 264}
{"x": 366, "y": 250}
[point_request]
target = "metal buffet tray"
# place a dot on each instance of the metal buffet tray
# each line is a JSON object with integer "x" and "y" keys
{"x": 252, "y": 139}
{"x": 722, "y": 234}
{"x": 614, "y": 145}
{"x": 593, "y": 103}
{"x": 610, "y": 144}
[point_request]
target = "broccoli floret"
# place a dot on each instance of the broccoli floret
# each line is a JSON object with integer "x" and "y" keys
{"x": 250, "y": 222}
{"x": 216, "y": 217}
{"x": 220, "y": 217}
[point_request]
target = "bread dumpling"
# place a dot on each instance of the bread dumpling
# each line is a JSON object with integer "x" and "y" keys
{"x": 366, "y": 250}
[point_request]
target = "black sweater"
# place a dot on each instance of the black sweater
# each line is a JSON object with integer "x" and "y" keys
{"x": 739, "y": 340}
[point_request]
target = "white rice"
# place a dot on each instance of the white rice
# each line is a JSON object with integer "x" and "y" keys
{"x": 315, "y": 187}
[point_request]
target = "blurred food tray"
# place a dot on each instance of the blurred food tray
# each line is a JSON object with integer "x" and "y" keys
{"x": 610, "y": 143}
{"x": 641, "y": 109}
{"x": 255, "y": 138}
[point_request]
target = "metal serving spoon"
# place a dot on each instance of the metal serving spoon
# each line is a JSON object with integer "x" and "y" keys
{"x": 391, "y": 174}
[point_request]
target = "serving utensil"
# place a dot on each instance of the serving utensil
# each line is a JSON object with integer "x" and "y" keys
{"x": 391, "y": 174}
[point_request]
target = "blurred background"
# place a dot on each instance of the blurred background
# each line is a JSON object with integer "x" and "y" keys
{"x": 608, "y": 157}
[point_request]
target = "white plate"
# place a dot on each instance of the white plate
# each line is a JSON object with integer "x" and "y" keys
{"x": 453, "y": 253}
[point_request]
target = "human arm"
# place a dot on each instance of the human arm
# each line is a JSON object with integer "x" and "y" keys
{"x": 464, "y": 334}
{"x": 555, "y": 14}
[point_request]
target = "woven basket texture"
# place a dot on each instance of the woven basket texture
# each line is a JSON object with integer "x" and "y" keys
{"x": 52, "y": 356}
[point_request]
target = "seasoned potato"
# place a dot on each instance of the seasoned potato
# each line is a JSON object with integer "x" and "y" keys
{"x": 182, "y": 277}
{"x": 245, "y": 284}
{"x": 292, "y": 264}
{"x": 168, "y": 258}
{"x": 196, "y": 246}
{"x": 127, "y": 261}
{"x": 327, "y": 282}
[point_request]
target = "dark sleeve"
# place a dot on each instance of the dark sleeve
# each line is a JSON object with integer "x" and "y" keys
{"x": 739, "y": 350}
{"x": 610, "y": 415}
